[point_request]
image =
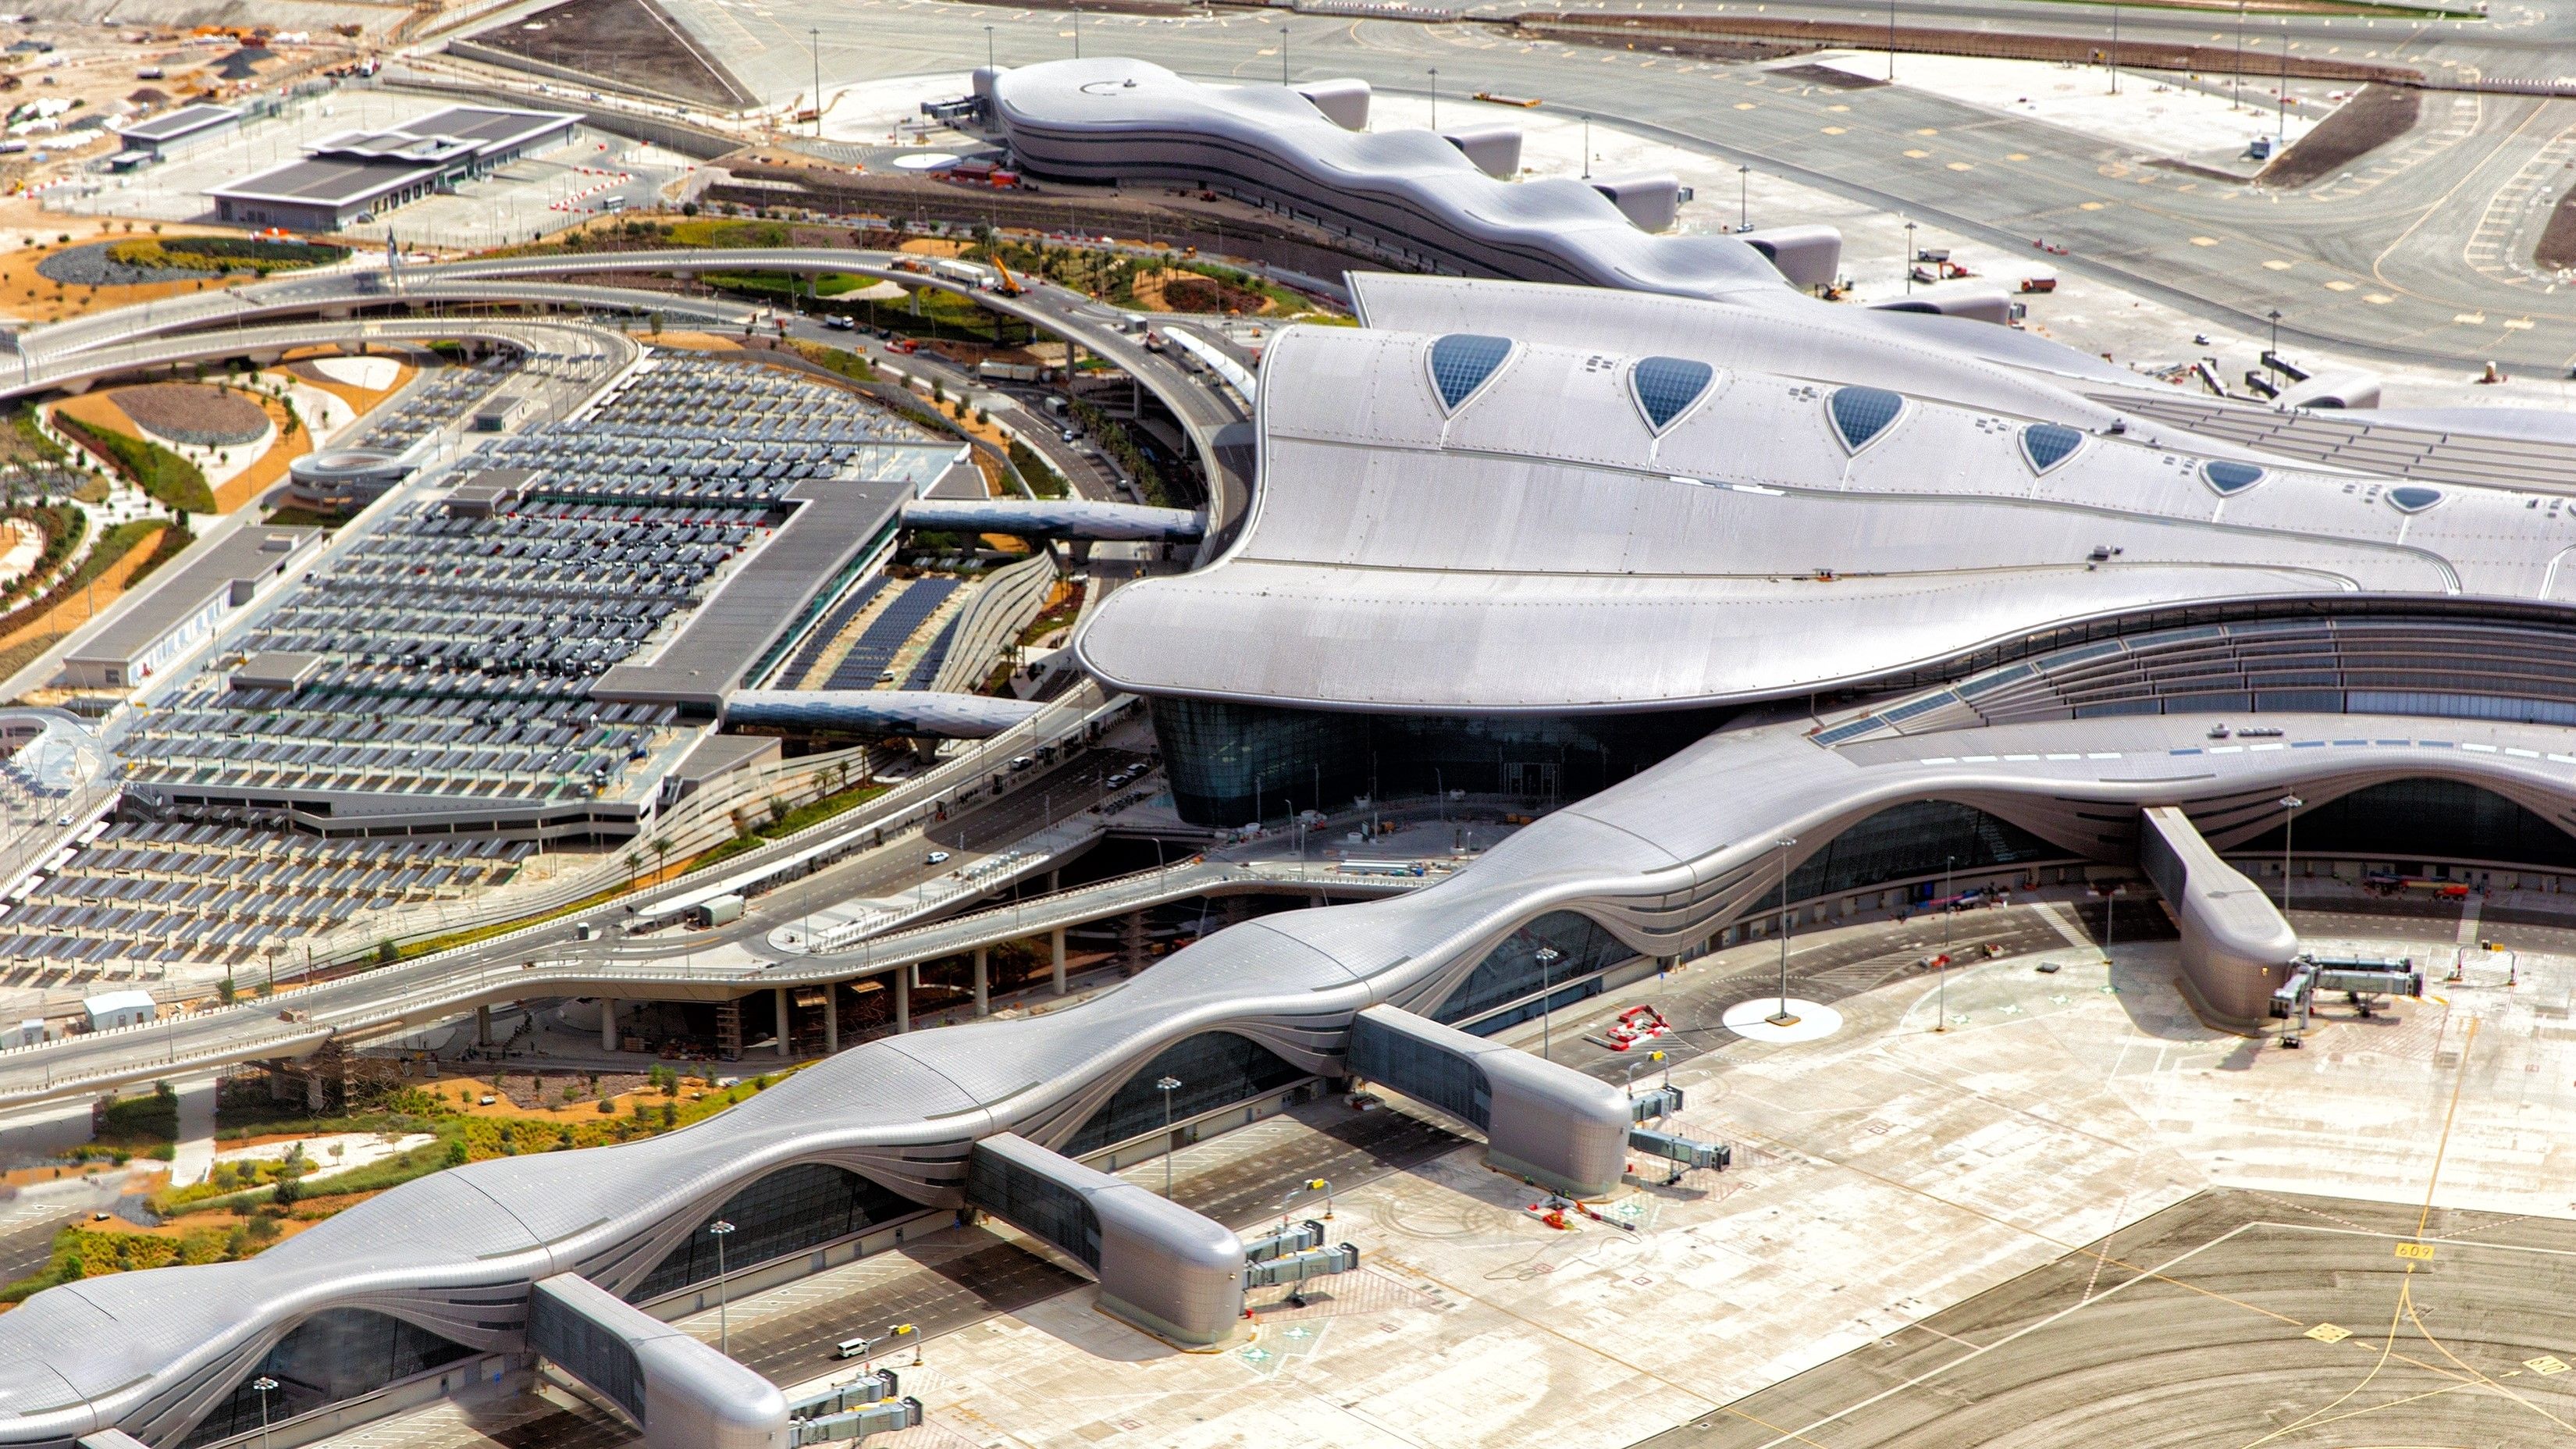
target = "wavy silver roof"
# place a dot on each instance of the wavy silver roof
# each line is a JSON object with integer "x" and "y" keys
{"x": 1118, "y": 118}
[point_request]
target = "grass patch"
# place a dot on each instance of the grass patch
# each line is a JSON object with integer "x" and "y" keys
{"x": 167, "y": 477}
{"x": 1044, "y": 481}
{"x": 306, "y": 518}
{"x": 27, "y": 443}
{"x": 847, "y": 364}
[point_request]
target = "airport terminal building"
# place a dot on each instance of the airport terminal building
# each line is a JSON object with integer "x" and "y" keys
{"x": 1762, "y": 605}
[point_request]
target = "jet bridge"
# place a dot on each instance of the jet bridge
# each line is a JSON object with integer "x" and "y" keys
{"x": 2236, "y": 945}
{"x": 1162, "y": 1267}
{"x": 683, "y": 1393}
{"x": 1550, "y": 1124}
{"x": 2364, "y": 980}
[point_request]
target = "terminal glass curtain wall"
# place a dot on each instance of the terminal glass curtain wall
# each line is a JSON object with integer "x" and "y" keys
{"x": 789, "y": 1210}
{"x": 337, "y": 1354}
{"x": 1215, "y": 1069}
{"x": 1911, "y": 842}
{"x": 2410, "y": 822}
{"x": 1227, "y": 761}
{"x": 1512, "y": 971}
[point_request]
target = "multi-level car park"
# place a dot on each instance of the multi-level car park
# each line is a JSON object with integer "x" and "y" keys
{"x": 408, "y": 719}
{"x": 435, "y": 401}
{"x": 159, "y": 892}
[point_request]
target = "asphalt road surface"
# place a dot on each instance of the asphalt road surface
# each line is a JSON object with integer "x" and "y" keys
{"x": 2396, "y": 263}
{"x": 2231, "y": 1320}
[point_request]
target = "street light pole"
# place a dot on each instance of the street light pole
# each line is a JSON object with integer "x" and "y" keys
{"x": 2115, "y": 50}
{"x": 1743, "y": 198}
{"x": 1947, "y": 906}
{"x": 1547, "y": 957}
{"x": 1435, "y": 98}
{"x": 1782, "y": 1016}
{"x": 1167, "y": 1086}
{"x": 814, "y": 33}
{"x": 1587, "y": 146}
{"x": 2239, "y": 99}
{"x": 988, "y": 49}
{"x": 1891, "y": 39}
{"x": 1283, "y": 55}
{"x": 721, "y": 1230}
{"x": 2290, "y": 805}
{"x": 2271, "y": 361}
{"x": 266, "y": 1386}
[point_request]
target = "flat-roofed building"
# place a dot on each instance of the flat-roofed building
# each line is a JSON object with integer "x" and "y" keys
{"x": 175, "y": 133}
{"x": 164, "y": 624}
{"x": 354, "y": 176}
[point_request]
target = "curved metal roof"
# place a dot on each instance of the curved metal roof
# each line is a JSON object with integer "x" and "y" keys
{"x": 1533, "y": 543}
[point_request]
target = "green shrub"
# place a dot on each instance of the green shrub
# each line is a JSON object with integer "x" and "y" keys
{"x": 167, "y": 477}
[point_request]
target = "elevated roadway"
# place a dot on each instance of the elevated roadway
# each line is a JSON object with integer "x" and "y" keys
{"x": 73, "y": 353}
{"x": 399, "y": 999}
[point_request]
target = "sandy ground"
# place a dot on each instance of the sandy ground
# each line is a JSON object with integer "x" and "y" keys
{"x": 84, "y": 606}
{"x": 369, "y": 386}
{"x": 29, "y": 234}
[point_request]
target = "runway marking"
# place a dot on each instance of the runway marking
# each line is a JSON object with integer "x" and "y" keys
{"x": 2328, "y": 1333}
{"x": 2546, "y": 1364}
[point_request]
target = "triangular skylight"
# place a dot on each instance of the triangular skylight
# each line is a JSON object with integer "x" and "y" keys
{"x": 1460, "y": 363}
{"x": 2231, "y": 477}
{"x": 2048, "y": 444}
{"x": 1666, "y": 387}
{"x": 1862, "y": 413}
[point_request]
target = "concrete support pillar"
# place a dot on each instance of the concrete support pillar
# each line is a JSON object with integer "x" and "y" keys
{"x": 983, "y": 995}
{"x": 1055, "y": 948}
{"x": 1052, "y": 881}
{"x": 779, "y": 993}
{"x": 482, "y": 1026}
{"x": 903, "y": 998}
{"x": 607, "y": 1025}
{"x": 831, "y": 1018}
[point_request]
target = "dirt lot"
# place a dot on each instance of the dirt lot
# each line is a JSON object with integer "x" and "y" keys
{"x": 193, "y": 412}
{"x": 629, "y": 44}
{"x": 2370, "y": 120}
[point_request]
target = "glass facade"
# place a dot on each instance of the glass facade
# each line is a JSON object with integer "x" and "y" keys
{"x": 1513, "y": 970}
{"x": 337, "y": 1354}
{"x": 1910, "y": 841}
{"x": 1034, "y": 1204}
{"x": 2408, "y": 822}
{"x": 1215, "y": 1069}
{"x": 787, "y": 1211}
{"x": 1230, "y": 763}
